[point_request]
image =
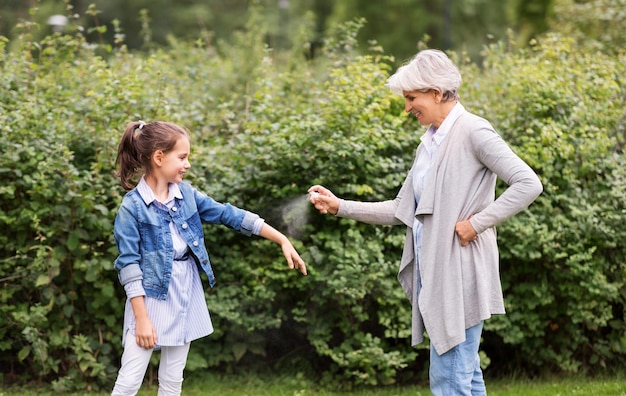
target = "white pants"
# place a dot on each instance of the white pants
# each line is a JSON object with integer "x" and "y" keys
{"x": 135, "y": 361}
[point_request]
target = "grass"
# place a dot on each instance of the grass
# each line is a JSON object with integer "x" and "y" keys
{"x": 285, "y": 386}
{"x": 570, "y": 386}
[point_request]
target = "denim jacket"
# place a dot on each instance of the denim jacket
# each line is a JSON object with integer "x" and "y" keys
{"x": 144, "y": 240}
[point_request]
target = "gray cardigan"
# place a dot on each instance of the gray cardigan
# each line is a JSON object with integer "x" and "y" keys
{"x": 460, "y": 285}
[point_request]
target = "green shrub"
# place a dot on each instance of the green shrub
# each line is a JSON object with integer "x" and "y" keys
{"x": 264, "y": 130}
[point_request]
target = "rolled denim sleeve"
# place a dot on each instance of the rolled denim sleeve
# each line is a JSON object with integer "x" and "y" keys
{"x": 249, "y": 224}
{"x": 130, "y": 273}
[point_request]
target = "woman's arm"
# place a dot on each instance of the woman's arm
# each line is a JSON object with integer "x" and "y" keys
{"x": 524, "y": 185}
{"x": 381, "y": 213}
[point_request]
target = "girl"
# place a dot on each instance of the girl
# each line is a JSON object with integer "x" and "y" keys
{"x": 159, "y": 236}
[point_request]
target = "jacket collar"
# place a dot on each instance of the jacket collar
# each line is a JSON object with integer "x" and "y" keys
{"x": 148, "y": 197}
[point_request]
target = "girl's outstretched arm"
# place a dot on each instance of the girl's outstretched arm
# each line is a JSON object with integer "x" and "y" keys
{"x": 290, "y": 253}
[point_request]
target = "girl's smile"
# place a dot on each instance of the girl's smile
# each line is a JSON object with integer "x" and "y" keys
{"x": 174, "y": 163}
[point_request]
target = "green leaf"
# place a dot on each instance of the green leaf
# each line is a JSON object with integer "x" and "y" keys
{"x": 23, "y": 353}
{"x": 73, "y": 240}
{"x": 42, "y": 279}
{"x": 239, "y": 349}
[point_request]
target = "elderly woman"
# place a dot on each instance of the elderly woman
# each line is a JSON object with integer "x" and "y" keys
{"x": 449, "y": 268}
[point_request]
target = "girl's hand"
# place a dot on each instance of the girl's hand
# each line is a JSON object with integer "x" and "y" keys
{"x": 293, "y": 258}
{"x": 466, "y": 232}
{"x": 323, "y": 199}
{"x": 290, "y": 253}
{"x": 145, "y": 333}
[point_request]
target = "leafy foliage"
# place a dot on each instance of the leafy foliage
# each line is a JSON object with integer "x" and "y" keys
{"x": 595, "y": 24}
{"x": 265, "y": 127}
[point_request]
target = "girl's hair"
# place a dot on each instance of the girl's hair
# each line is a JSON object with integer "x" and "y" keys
{"x": 139, "y": 142}
{"x": 429, "y": 69}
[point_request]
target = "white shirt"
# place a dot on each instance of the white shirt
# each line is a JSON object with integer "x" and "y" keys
{"x": 431, "y": 140}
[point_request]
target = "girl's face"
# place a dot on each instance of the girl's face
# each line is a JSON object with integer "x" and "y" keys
{"x": 175, "y": 162}
{"x": 421, "y": 104}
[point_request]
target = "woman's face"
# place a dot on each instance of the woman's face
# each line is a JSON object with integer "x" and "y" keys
{"x": 422, "y": 105}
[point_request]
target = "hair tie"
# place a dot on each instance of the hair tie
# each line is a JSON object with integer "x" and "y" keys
{"x": 141, "y": 124}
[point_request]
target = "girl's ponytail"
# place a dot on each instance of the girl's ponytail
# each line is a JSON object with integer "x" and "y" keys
{"x": 128, "y": 156}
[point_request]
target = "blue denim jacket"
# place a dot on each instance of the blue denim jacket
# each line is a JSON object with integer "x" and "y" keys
{"x": 144, "y": 241}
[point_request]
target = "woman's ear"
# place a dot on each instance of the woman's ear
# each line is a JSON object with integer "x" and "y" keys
{"x": 438, "y": 96}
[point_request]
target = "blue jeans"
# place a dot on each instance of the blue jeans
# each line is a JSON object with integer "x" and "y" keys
{"x": 457, "y": 372}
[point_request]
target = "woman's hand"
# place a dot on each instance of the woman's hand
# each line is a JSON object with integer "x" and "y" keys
{"x": 323, "y": 199}
{"x": 465, "y": 231}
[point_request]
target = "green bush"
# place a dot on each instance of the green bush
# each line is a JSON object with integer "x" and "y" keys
{"x": 563, "y": 261}
{"x": 264, "y": 128}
